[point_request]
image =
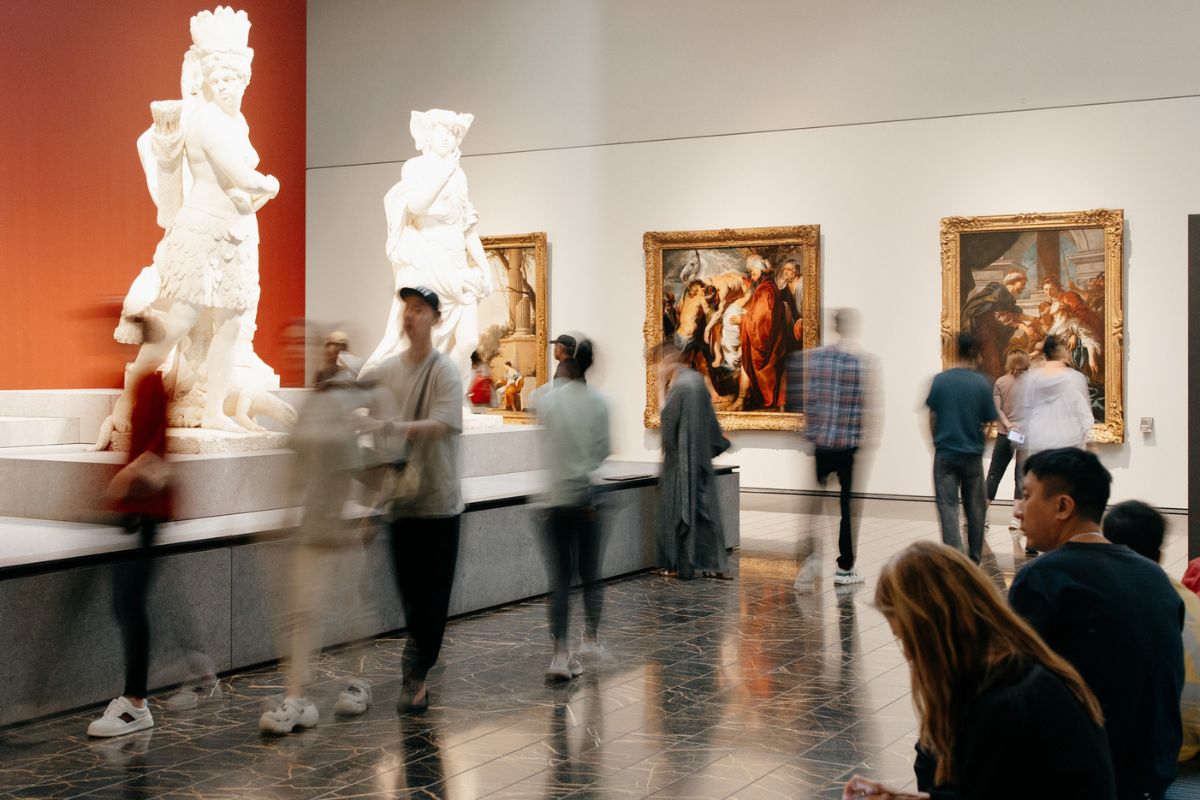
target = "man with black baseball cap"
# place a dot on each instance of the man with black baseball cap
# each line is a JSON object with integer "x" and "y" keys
{"x": 423, "y": 422}
{"x": 564, "y": 353}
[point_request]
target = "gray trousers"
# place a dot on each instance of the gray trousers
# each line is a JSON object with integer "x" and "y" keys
{"x": 956, "y": 474}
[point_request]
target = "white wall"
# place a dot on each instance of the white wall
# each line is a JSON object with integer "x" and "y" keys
{"x": 877, "y": 190}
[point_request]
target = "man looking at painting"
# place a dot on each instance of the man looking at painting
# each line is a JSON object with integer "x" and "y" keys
{"x": 991, "y": 313}
{"x": 960, "y": 404}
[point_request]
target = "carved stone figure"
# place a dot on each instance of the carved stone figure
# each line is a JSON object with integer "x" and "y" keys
{"x": 203, "y": 285}
{"x": 432, "y": 239}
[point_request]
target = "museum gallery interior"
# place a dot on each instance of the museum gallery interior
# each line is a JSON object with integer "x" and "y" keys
{"x": 363, "y": 357}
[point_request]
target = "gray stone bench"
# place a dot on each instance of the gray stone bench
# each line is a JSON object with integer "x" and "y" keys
{"x": 218, "y": 580}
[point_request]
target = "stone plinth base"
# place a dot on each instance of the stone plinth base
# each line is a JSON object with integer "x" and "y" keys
{"x": 199, "y": 441}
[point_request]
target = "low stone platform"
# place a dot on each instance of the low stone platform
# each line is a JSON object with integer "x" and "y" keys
{"x": 67, "y": 482}
{"x": 197, "y": 441}
{"x": 218, "y": 582}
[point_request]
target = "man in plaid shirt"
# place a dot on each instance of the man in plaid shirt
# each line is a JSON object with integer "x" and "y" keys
{"x": 832, "y": 401}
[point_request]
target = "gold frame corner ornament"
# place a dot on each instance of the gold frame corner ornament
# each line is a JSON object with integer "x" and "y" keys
{"x": 806, "y": 237}
{"x": 1112, "y": 222}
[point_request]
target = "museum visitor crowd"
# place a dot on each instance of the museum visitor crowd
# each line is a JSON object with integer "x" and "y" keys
{"x": 1082, "y": 683}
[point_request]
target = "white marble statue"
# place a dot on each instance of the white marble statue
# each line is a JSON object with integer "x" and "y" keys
{"x": 432, "y": 239}
{"x": 203, "y": 284}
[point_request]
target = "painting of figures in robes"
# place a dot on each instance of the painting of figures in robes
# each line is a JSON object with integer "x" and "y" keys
{"x": 738, "y": 304}
{"x": 1014, "y": 280}
{"x": 512, "y": 322}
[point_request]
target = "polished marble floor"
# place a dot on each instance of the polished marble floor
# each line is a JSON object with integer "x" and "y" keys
{"x": 711, "y": 689}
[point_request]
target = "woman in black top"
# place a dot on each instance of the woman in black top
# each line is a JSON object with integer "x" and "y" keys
{"x": 1001, "y": 714}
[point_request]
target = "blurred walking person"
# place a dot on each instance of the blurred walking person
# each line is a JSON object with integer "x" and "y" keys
{"x": 960, "y": 404}
{"x": 325, "y": 441}
{"x": 690, "y": 535}
{"x": 142, "y": 493}
{"x": 575, "y": 418}
{"x": 1054, "y": 402}
{"x": 1005, "y": 395}
{"x": 422, "y": 421}
{"x": 833, "y": 378}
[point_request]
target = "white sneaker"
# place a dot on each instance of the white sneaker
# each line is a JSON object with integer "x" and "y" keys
{"x": 845, "y": 577}
{"x": 355, "y": 699}
{"x": 564, "y": 666}
{"x": 292, "y": 714}
{"x": 121, "y": 717}
{"x": 809, "y": 575}
{"x": 593, "y": 648}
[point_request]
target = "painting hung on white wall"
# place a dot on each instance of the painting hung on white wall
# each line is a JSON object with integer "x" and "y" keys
{"x": 512, "y": 322}
{"x": 737, "y": 303}
{"x": 1013, "y": 280}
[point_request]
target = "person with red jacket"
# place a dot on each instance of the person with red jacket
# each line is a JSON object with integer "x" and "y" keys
{"x": 142, "y": 493}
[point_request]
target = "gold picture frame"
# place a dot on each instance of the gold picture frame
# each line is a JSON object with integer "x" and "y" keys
{"x": 518, "y": 334}
{"x": 723, "y": 264}
{"x": 1077, "y": 290}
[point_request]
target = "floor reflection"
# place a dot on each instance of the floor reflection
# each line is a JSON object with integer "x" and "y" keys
{"x": 739, "y": 689}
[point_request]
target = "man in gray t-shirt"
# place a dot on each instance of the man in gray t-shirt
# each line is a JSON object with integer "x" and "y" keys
{"x": 421, "y": 409}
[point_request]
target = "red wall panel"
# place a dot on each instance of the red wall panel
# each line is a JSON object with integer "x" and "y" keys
{"x": 76, "y": 221}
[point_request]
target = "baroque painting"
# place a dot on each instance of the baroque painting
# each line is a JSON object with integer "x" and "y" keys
{"x": 1013, "y": 280}
{"x": 738, "y": 303}
{"x": 512, "y": 321}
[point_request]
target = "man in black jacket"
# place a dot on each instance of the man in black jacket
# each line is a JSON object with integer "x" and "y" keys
{"x": 1108, "y": 611}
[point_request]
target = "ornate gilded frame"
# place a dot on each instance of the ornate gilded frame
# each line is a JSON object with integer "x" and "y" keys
{"x": 541, "y": 328}
{"x": 805, "y": 237}
{"x": 1112, "y": 222}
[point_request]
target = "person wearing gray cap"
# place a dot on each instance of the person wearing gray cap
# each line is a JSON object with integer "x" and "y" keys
{"x": 422, "y": 422}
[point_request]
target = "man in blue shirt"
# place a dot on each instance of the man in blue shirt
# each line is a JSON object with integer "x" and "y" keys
{"x": 960, "y": 404}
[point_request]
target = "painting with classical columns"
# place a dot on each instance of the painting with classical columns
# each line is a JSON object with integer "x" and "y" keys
{"x": 512, "y": 320}
{"x": 1013, "y": 280}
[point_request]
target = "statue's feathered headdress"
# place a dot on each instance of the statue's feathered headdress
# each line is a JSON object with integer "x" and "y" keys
{"x": 220, "y": 39}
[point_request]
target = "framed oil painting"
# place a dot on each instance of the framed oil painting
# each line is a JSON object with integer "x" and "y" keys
{"x": 738, "y": 303}
{"x": 1014, "y": 279}
{"x": 512, "y": 322}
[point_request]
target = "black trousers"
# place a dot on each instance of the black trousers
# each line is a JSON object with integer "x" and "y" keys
{"x": 840, "y": 462}
{"x": 1002, "y": 453}
{"x": 424, "y": 554}
{"x": 573, "y": 544}
{"x": 131, "y": 587}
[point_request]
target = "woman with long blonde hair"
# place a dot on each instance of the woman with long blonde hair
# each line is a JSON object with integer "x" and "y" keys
{"x": 1002, "y": 715}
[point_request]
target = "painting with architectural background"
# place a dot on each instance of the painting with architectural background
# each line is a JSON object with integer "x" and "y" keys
{"x": 512, "y": 320}
{"x": 738, "y": 303}
{"x": 1013, "y": 280}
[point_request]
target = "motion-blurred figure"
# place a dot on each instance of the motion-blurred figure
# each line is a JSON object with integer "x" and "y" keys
{"x": 834, "y": 379}
{"x": 576, "y": 443}
{"x": 325, "y": 441}
{"x": 422, "y": 419}
{"x": 1005, "y": 394}
{"x": 142, "y": 492}
{"x": 1054, "y": 402}
{"x": 336, "y": 359}
{"x": 960, "y": 404}
{"x": 479, "y": 393}
{"x": 690, "y": 536}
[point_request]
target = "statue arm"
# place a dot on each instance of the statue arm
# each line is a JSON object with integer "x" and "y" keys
{"x": 225, "y": 158}
{"x": 479, "y": 256}
{"x": 424, "y": 185}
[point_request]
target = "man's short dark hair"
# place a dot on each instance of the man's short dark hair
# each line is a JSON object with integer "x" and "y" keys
{"x": 968, "y": 346}
{"x": 1137, "y": 525}
{"x": 1075, "y": 473}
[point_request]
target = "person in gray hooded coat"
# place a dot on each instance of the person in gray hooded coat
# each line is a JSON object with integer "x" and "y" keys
{"x": 690, "y": 536}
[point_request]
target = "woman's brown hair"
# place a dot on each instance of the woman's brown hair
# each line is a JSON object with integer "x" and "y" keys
{"x": 959, "y": 638}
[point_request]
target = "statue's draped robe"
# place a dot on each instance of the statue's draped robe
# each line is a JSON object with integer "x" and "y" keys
{"x": 690, "y": 536}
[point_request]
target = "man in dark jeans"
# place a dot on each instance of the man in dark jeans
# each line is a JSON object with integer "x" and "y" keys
{"x": 960, "y": 404}
{"x": 833, "y": 378}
